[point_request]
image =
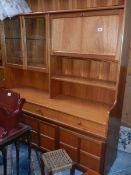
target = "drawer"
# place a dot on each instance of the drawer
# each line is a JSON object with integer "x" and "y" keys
{"x": 92, "y": 162}
{"x": 92, "y": 146}
{"x": 67, "y": 119}
{"x": 47, "y": 129}
{"x": 30, "y": 121}
{"x": 68, "y": 137}
{"x": 35, "y": 138}
{"x": 72, "y": 152}
{"x": 47, "y": 143}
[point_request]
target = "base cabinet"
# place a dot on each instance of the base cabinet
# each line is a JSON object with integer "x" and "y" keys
{"x": 86, "y": 151}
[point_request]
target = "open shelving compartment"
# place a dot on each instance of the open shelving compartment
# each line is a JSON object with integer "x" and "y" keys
{"x": 86, "y": 68}
{"x": 87, "y": 86}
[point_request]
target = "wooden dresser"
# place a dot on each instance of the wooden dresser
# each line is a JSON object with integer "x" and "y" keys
{"x": 70, "y": 61}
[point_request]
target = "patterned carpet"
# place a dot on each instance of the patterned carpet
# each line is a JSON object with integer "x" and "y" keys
{"x": 35, "y": 162}
{"x": 11, "y": 161}
{"x": 119, "y": 166}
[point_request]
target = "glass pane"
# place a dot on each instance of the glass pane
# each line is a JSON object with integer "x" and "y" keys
{"x": 13, "y": 51}
{"x": 35, "y": 28}
{"x": 36, "y": 41}
{"x": 12, "y": 28}
{"x": 36, "y": 53}
{"x": 13, "y": 41}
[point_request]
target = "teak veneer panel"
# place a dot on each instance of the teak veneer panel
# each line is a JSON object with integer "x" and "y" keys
{"x": 73, "y": 34}
{"x": 63, "y": 110}
{"x": 67, "y": 105}
{"x": 87, "y": 159}
{"x": 46, "y": 129}
{"x": 84, "y": 81}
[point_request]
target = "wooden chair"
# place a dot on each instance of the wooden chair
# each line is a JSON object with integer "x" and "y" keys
{"x": 11, "y": 130}
{"x": 10, "y": 109}
{"x": 14, "y": 136}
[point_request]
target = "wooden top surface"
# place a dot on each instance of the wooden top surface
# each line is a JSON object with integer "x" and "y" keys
{"x": 92, "y": 111}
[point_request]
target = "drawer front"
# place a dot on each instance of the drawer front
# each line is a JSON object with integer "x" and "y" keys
{"x": 68, "y": 138}
{"x": 92, "y": 146}
{"x": 72, "y": 152}
{"x": 47, "y": 129}
{"x": 47, "y": 143}
{"x": 66, "y": 119}
{"x": 30, "y": 121}
{"x": 35, "y": 138}
{"x": 90, "y": 161}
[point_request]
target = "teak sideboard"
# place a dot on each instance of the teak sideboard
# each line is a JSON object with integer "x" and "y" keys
{"x": 71, "y": 66}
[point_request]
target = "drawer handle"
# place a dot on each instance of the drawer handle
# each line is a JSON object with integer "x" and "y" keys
{"x": 39, "y": 111}
{"x": 79, "y": 123}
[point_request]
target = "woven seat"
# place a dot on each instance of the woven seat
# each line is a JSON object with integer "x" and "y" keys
{"x": 56, "y": 161}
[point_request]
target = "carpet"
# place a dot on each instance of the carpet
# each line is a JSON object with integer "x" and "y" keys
{"x": 125, "y": 139}
{"x": 35, "y": 162}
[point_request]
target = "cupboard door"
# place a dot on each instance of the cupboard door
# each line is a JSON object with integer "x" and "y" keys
{"x": 92, "y": 146}
{"x": 48, "y": 136}
{"x": 66, "y": 34}
{"x": 13, "y": 41}
{"x": 104, "y": 32}
{"x": 91, "y": 153}
{"x": 93, "y": 33}
{"x": 90, "y": 161}
{"x": 69, "y": 142}
{"x": 36, "y": 41}
{"x": 35, "y": 128}
{"x": 31, "y": 121}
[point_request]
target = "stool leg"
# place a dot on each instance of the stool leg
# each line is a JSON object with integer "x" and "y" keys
{"x": 42, "y": 167}
{"x": 4, "y": 154}
{"x": 29, "y": 150}
{"x": 17, "y": 157}
{"x": 72, "y": 170}
{"x": 50, "y": 173}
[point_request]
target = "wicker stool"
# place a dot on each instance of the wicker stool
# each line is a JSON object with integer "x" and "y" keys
{"x": 56, "y": 161}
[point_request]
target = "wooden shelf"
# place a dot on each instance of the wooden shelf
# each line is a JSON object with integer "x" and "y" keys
{"x": 84, "y": 115}
{"x": 38, "y": 68}
{"x": 85, "y": 81}
{"x": 107, "y": 58}
{"x": 15, "y": 65}
{"x": 81, "y": 108}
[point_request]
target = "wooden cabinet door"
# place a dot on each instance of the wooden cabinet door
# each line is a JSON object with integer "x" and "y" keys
{"x": 69, "y": 142}
{"x": 48, "y": 136}
{"x": 100, "y": 34}
{"x": 13, "y": 45}
{"x": 36, "y": 50}
{"x": 35, "y": 128}
{"x": 92, "y": 153}
{"x": 66, "y": 34}
{"x": 91, "y": 33}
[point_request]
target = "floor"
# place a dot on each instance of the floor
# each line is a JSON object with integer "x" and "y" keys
{"x": 122, "y": 165}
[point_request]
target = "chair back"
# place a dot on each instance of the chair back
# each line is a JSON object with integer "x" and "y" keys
{"x": 10, "y": 100}
{"x": 10, "y": 109}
